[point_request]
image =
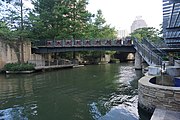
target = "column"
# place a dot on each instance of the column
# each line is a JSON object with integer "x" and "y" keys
{"x": 138, "y": 61}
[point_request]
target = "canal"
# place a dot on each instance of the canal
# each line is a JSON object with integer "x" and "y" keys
{"x": 97, "y": 92}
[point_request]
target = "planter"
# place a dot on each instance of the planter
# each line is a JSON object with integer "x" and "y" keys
{"x": 176, "y": 62}
{"x": 154, "y": 70}
{"x": 173, "y": 71}
{"x": 19, "y": 72}
{"x": 165, "y": 62}
{"x": 177, "y": 81}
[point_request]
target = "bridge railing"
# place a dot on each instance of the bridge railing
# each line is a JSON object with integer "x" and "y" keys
{"x": 149, "y": 56}
{"x": 81, "y": 43}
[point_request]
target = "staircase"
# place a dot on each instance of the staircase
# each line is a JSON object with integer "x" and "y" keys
{"x": 154, "y": 48}
{"x": 149, "y": 53}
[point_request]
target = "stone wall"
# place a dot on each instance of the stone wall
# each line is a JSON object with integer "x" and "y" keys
{"x": 8, "y": 55}
{"x": 153, "y": 96}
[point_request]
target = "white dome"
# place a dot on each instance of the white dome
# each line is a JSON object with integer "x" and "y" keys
{"x": 138, "y": 23}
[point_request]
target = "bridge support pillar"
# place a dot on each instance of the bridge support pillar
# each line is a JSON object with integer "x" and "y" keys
{"x": 138, "y": 61}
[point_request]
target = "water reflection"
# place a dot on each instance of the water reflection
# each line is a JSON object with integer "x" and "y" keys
{"x": 91, "y": 92}
{"x": 122, "y": 104}
{"x": 126, "y": 109}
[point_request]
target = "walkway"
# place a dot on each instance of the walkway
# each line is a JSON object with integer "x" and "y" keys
{"x": 55, "y": 64}
{"x": 160, "y": 114}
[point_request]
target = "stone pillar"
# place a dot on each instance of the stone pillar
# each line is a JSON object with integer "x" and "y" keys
{"x": 138, "y": 61}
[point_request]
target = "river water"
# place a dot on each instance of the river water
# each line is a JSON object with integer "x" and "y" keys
{"x": 97, "y": 92}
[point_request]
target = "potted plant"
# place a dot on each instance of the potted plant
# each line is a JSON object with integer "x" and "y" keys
{"x": 165, "y": 60}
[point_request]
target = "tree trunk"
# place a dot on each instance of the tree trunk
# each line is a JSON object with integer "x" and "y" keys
{"x": 21, "y": 38}
{"x": 22, "y": 51}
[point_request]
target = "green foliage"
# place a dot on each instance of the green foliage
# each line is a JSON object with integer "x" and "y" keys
{"x": 99, "y": 20}
{"x": 15, "y": 30}
{"x": 66, "y": 19}
{"x": 51, "y": 19}
{"x": 5, "y": 32}
{"x": 147, "y": 32}
{"x": 19, "y": 67}
{"x": 99, "y": 29}
{"x": 165, "y": 58}
{"x": 114, "y": 60}
{"x": 177, "y": 57}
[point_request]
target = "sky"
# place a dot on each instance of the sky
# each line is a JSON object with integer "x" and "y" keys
{"x": 121, "y": 13}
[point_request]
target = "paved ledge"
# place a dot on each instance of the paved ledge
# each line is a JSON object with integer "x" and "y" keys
{"x": 53, "y": 66}
{"x": 160, "y": 114}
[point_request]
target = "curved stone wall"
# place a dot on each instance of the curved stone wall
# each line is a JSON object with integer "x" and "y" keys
{"x": 153, "y": 96}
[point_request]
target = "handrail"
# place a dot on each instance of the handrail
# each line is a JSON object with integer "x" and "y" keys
{"x": 152, "y": 47}
{"x": 81, "y": 43}
{"x": 54, "y": 62}
{"x": 149, "y": 56}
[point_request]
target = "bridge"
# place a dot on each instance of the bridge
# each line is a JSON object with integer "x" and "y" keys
{"x": 144, "y": 49}
{"x": 56, "y": 46}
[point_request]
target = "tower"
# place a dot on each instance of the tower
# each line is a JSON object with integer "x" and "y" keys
{"x": 138, "y": 23}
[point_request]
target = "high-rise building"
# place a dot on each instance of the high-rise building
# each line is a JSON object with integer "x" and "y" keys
{"x": 138, "y": 23}
{"x": 122, "y": 33}
{"x": 171, "y": 22}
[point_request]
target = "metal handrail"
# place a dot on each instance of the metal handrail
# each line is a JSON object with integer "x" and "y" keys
{"x": 54, "y": 62}
{"x": 152, "y": 47}
{"x": 149, "y": 56}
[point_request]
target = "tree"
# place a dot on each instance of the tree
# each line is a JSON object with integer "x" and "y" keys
{"x": 60, "y": 19}
{"x": 79, "y": 18}
{"x": 98, "y": 29}
{"x": 14, "y": 16}
{"x": 150, "y": 33}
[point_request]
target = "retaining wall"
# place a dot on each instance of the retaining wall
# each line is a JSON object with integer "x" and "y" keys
{"x": 153, "y": 96}
{"x": 8, "y": 55}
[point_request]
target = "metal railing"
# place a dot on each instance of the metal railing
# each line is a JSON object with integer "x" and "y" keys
{"x": 148, "y": 55}
{"x": 81, "y": 43}
{"x": 152, "y": 47}
{"x": 51, "y": 63}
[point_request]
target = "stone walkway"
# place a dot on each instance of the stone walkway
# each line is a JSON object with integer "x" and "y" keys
{"x": 160, "y": 114}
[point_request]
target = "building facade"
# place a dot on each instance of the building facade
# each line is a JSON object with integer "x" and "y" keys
{"x": 171, "y": 23}
{"x": 138, "y": 23}
{"x": 122, "y": 33}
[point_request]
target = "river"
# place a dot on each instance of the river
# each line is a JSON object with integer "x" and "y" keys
{"x": 93, "y": 92}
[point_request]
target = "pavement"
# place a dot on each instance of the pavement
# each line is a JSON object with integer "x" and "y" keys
{"x": 161, "y": 114}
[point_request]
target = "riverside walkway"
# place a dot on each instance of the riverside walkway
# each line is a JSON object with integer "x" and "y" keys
{"x": 54, "y": 64}
{"x": 160, "y": 114}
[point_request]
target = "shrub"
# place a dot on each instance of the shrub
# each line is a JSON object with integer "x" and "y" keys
{"x": 19, "y": 67}
{"x": 165, "y": 58}
{"x": 177, "y": 57}
{"x": 114, "y": 60}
